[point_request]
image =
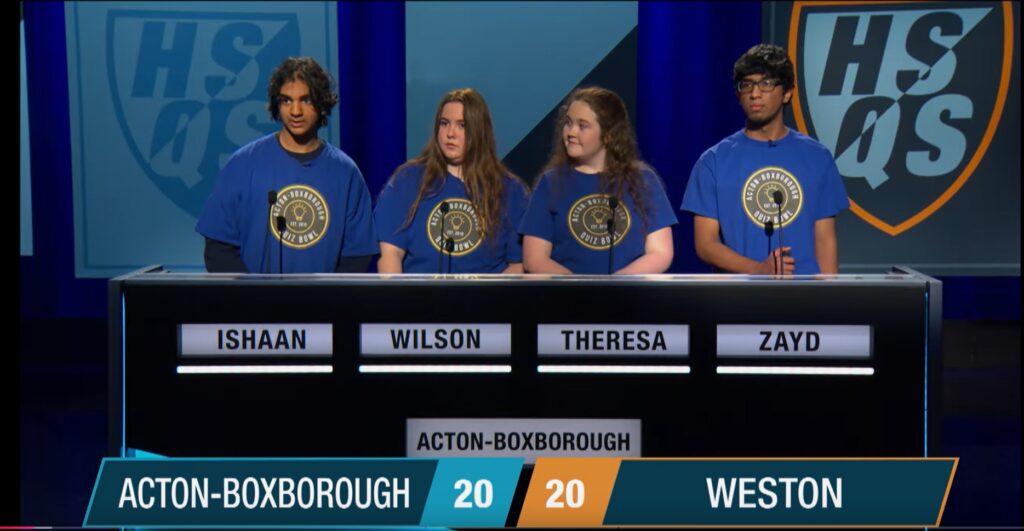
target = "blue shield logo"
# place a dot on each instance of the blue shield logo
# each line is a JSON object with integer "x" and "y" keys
{"x": 907, "y": 96}
{"x": 190, "y": 88}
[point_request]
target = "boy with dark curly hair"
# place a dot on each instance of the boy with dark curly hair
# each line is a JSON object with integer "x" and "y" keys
{"x": 292, "y": 187}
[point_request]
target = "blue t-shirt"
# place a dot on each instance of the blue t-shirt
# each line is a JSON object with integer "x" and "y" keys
{"x": 422, "y": 238}
{"x": 569, "y": 209}
{"x": 325, "y": 203}
{"x": 734, "y": 181}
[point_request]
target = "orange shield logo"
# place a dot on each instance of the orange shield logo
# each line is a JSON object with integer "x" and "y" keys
{"x": 906, "y": 95}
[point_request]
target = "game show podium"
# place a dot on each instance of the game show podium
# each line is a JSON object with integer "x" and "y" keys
{"x": 220, "y": 365}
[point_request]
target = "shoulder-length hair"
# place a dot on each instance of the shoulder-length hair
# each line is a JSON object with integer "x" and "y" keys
{"x": 483, "y": 173}
{"x": 623, "y": 166}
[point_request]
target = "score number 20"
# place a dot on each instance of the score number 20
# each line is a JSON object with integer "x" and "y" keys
{"x": 573, "y": 491}
{"x": 564, "y": 494}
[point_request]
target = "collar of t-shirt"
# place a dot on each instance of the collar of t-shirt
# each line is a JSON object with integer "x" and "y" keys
{"x": 766, "y": 143}
{"x": 304, "y": 158}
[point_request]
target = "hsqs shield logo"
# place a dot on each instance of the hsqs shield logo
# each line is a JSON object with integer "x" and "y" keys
{"x": 189, "y": 88}
{"x": 906, "y": 95}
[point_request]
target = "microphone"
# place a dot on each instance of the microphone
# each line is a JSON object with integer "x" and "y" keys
{"x": 444, "y": 240}
{"x": 771, "y": 143}
{"x": 449, "y": 246}
{"x": 769, "y": 229}
{"x": 281, "y": 227}
{"x": 613, "y": 203}
{"x": 777, "y": 198}
{"x": 271, "y": 199}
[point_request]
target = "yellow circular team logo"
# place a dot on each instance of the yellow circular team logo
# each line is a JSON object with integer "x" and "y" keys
{"x": 759, "y": 197}
{"x": 306, "y": 216}
{"x": 460, "y": 225}
{"x": 588, "y": 222}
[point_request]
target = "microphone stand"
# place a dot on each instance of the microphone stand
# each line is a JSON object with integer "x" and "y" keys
{"x": 777, "y": 198}
{"x": 282, "y": 226}
{"x": 613, "y": 203}
{"x": 271, "y": 199}
{"x": 449, "y": 246}
{"x": 444, "y": 240}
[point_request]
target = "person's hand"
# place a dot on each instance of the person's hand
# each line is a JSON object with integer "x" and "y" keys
{"x": 772, "y": 265}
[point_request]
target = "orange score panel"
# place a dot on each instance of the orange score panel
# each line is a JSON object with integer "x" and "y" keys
{"x": 569, "y": 492}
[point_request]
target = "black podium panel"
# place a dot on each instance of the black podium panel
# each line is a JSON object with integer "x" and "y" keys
{"x": 347, "y": 412}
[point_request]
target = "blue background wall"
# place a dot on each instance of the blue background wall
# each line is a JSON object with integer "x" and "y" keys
{"x": 684, "y": 56}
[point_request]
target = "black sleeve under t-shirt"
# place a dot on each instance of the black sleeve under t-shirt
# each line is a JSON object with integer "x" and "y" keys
{"x": 223, "y": 257}
{"x": 353, "y": 264}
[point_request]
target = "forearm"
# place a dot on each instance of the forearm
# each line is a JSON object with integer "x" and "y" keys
{"x": 514, "y": 268}
{"x": 721, "y": 256}
{"x": 826, "y": 246}
{"x": 827, "y": 253}
{"x": 649, "y": 263}
{"x": 389, "y": 264}
{"x": 537, "y": 257}
{"x": 545, "y": 266}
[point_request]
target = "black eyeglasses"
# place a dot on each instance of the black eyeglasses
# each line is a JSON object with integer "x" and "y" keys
{"x": 766, "y": 85}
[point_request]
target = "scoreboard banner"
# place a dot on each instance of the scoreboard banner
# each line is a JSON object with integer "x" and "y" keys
{"x": 481, "y": 492}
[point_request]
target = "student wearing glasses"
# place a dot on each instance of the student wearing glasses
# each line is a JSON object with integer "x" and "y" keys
{"x": 763, "y": 178}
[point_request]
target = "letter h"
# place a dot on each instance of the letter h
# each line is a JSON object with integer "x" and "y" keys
{"x": 153, "y": 56}
{"x": 843, "y": 52}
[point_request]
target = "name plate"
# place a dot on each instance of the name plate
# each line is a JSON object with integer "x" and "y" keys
{"x": 232, "y": 339}
{"x": 811, "y": 341}
{"x": 613, "y": 339}
{"x": 526, "y": 438}
{"x": 433, "y": 339}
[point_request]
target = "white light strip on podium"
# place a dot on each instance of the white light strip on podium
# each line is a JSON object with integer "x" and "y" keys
{"x": 613, "y": 369}
{"x": 435, "y": 369}
{"x": 840, "y": 371}
{"x": 255, "y": 369}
